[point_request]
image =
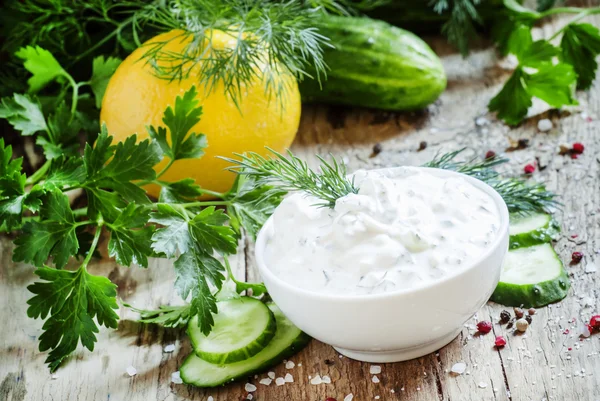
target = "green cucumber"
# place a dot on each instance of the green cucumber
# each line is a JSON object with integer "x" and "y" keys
{"x": 533, "y": 276}
{"x": 243, "y": 327}
{"x": 288, "y": 340}
{"x": 533, "y": 229}
{"x": 374, "y": 64}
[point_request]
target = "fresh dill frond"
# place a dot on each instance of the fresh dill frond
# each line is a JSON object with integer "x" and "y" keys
{"x": 519, "y": 195}
{"x": 460, "y": 28}
{"x": 290, "y": 173}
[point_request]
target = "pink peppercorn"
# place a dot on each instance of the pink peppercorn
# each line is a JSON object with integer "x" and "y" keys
{"x": 484, "y": 327}
{"x": 330, "y": 399}
{"x": 595, "y": 322}
{"x": 576, "y": 257}
{"x": 500, "y": 342}
{"x": 578, "y": 148}
{"x": 490, "y": 154}
{"x": 529, "y": 169}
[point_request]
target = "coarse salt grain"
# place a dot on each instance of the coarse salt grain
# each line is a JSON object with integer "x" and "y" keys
{"x": 249, "y": 387}
{"x": 591, "y": 268}
{"x": 375, "y": 369}
{"x": 482, "y": 385}
{"x": 288, "y": 378}
{"x": 544, "y": 125}
{"x": 375, "y": 379}
{"x": 271, "y": 375}
{"x": 131, "y": 371}
{"x": 377, "y": 397}
{"x": 349, "y": 397}
{"x": 326, "y": 379}
{"x": 459, "y": 368}
{"x": 169, "y": 348}
{"x": 54, "y": 376}
{"x": 266, "y": 381}
{"x": 249, "y": 397}
{"x": 316, "y": 380}
{"x": 289, "y": 365}
{"x": 176, "y": 378}
{"x": 210, "y": 398}
{"x": 280, "y": 381}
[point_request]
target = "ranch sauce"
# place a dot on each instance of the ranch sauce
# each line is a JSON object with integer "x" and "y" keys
{"x": 404, "y": 228}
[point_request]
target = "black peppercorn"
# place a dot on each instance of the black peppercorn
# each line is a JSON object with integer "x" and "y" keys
{"x": 528, "y": 318}
{"x": 504, "y": 316}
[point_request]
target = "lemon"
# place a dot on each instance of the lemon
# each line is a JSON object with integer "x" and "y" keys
{"x": 136, "y": 97}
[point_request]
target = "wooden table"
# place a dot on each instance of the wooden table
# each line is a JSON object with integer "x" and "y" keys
{"x": 549, "y": 362}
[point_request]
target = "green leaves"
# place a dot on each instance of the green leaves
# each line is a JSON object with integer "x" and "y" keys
{"x": 102, "y": 70}
{"x": 180, "y": 121}
{"x": 24, "y": 113}
{"x": 71, "y": 300}
{"x": 130, "y": 237}
{"x": 42, "y": 64}
{"x": 196, "y": 237}
{"x": 54, "y": 235}
{"x": 167, "y": 316}
{"x": 536, "y": 76}
{"x": 580, "y": 46}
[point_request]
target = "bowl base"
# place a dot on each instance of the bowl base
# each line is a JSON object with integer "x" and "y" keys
{"x": 398, "y": 355}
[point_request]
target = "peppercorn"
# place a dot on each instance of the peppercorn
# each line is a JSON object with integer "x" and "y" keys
{"x": 504, "y": 316}
{"x": 518, "y": 312}
{"x": 576, "y": 257}
{"x": 528, "y": 318}
{"x": 500, "y": 341}
{"x": 578, "y": 148}
{"x": 511, "y": 323}
{"x": 595, "y": 322}
{"x": 529, "y": 169}
{"x": 377, "y": 148}
{"x": 330, "y": 399}
{"x": 484, "y": 327}
{"x": 490, "y": 154}
{"x": 422, "y": 146}
{"x": 531, "y": 311}
{"x": 522, "y": 143}
{"x": 522, "y": 325}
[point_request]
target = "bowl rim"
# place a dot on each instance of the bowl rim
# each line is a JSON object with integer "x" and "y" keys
{"x": 502, "y": 237}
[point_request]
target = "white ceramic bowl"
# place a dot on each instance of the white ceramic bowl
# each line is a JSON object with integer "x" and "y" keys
{"x": 399, "y": 325}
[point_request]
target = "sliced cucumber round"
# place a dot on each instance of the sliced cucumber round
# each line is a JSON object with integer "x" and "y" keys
{"x": 243, "y": 327}
{"x": 532, "y": 229}
{"x": 533, "y": 276}
{"x": 288, "y": 340}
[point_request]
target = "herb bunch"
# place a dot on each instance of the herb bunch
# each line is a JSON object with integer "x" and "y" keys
{"x": 197, "y": 235}
{"x": 520, "y": 196}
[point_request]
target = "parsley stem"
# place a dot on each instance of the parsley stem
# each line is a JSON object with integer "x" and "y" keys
{"x": 205, "y": 203}
{"x": 213, "y": 193}
{"x": 569, "y": 10}
{"x": 582, "y": 14}
{"x": 164, "y": 170}
{"x": 88, "y": 257}
{"x": 39, "y": 174}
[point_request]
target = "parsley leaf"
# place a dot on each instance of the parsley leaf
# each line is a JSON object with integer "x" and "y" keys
{"x": 512, "y": 101}
{"x": 250, "y": 204}
{"x": 554, "y": 84}
{"x": 179, "y": 191}
{"x": 180, "y": 121}
{"x": 167, "y": 316}
{"x": 102, "y": 70}
{"x": 42, "y": 64}
{"x": 580, "y": 46}
{"x": 130, "y": 239}
{"x": 53, "y": 235}
{"x": 64, "y": 172}
{"x": 24, "y": 113}
{"x": 72, "y": 299}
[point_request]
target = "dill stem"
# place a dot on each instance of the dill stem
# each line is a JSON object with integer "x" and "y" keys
{"x": 103, "y": 40}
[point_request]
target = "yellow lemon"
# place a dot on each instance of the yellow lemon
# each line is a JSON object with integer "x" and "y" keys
{"x": 136, "y": 97}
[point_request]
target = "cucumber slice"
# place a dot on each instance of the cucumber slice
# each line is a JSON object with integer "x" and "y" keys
{"x": 533, "y": 229}
{"x": 243, "y": 327}
{"x": 533, "y": 277}
{"x": 287, "y": 341}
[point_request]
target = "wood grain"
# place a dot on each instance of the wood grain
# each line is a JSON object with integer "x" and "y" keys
{"x": 546, "y": 363}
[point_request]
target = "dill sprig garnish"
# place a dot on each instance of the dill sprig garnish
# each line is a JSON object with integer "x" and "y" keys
{"x": 520, "y": 196}
{"x": 290, "y": 173}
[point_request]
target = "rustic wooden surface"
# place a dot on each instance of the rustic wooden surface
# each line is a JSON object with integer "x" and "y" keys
{"x": 549, "y": 362}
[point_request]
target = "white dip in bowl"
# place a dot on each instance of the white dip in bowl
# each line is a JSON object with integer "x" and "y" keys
{"x": 389, "y": 273}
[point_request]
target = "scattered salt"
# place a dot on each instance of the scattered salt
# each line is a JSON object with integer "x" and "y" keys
{"x": 249, "y": 387}
{"x": 280, "y": 381}
{"x": 288, "y": 378}
{"x": 271, "y": 375}
{"x": 584, "y": 331}
{"x": 375, "y": 379}
{"x": 591, "y": 268}
{"x": 459, "y": 368}
{"x": 54, "y": 376}
{"x": 176, "y": 378}
{"x": 375, "y": 369}
{"x": 376, "y": 397}
{"x": 210, "y": 398}
{"x": 266, "y": 381}
{"x": 316, "y": 380}
{"x": 326, "y": 379}
{"x": 482, "y": 385}
{"x": 249, "y": 397}
{"x": 289, "y": 365}
{"x": 131, "y": 371}
{"x": 349, "y": 397}
{"x": 169, "y": 348}
{"x": 544, "y": 125}
{"x": 480, "y": 121}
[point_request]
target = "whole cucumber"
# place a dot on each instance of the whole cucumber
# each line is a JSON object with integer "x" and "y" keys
{"x": 374, "y": 64}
